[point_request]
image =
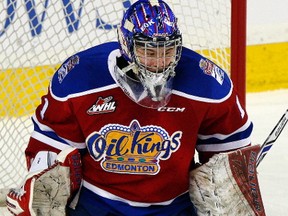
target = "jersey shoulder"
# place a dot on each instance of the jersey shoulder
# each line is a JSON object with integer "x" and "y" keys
{"x": 201, "y": 79}
{"x": 83, "y": 71}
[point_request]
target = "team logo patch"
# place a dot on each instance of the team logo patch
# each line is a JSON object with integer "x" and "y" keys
{"x": 67, "y": 67}
{"x": 132, "y": 149}
{"x": 211, "y": 69}
{"x": 102, "y": 105}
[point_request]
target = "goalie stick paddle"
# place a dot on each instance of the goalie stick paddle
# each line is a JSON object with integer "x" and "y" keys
{"x": 272, "y": 137}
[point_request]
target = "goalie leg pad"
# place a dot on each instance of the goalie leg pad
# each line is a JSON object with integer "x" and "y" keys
{"x": 228, "y": 185}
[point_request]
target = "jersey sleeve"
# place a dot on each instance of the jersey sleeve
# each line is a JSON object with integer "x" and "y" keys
{"x": 55, "y": 121}
{"x": 226, "y": 127}
{"x": 55, "y": 125}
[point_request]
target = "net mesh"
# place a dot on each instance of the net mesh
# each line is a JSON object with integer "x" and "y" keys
{"x": 36, "y": 36}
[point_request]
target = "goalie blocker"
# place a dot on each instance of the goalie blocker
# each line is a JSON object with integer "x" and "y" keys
{"x": 51, "y": 182}
{"x": 228, "y": 185}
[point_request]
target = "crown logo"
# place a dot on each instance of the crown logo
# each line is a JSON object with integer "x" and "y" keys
{"x": 133, "y": 149}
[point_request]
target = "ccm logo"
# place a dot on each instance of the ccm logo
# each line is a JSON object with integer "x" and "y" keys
{"x": 171, "y": 109}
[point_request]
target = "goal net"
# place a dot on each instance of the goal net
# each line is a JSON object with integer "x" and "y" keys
{"x": 36, "y": 36}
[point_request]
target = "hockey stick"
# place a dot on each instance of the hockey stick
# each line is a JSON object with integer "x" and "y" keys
{"x": 272, "y": 137}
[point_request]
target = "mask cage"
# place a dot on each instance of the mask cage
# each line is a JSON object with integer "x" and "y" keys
{"x": 157, "y": 57}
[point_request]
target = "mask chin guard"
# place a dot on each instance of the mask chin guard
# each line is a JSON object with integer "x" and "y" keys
{"x": 148, "y": 94}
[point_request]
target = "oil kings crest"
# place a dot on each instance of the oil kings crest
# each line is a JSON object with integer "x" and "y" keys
{"x": 132, "y": 149}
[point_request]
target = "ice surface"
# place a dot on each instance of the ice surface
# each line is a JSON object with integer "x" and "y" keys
{"x": 265, "y": 110}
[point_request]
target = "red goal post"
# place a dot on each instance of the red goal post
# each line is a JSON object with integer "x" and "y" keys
{"x": 36, "y": 36}
{"x": 238, "y": 47}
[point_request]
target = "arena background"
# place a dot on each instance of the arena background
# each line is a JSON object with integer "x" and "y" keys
{"x": 266, "y": 56}
{"x": 267, "y": 45}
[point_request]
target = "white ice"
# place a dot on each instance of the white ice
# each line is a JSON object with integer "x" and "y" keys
{"x": 265, "y": 109}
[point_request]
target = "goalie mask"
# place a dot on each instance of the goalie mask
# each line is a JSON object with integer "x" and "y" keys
{"x": 151, "y": 43}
